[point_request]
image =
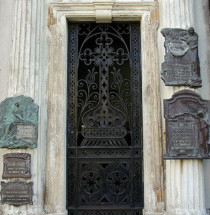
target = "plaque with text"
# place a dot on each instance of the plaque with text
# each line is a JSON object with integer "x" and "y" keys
{"x": 18, "y": 123}
{"x": 25, "y": 131}
{"x": 187, "y": 130}
{"x": 181, "y": 65}
{"x": 17, "y": 193}
{"x": 17, "y": 165}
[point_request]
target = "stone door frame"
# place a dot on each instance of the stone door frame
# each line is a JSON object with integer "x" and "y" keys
{"x": 103, "y": 11}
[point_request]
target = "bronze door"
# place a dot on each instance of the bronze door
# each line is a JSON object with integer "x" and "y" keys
{"x": 104, "y": 122}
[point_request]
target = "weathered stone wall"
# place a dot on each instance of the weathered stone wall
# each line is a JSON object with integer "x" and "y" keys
{"x": 27, "y": 38}
{"x": 6, "y": 14}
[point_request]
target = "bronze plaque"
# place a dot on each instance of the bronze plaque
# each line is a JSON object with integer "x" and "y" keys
{"x": 19, "y": 123}
{"x": 182, "y": 135}
{"x": 187, "y": 130}
{"x": 17, "y": 165}
{"x": 17, "y": 193}
{"x": 181, "y": 65}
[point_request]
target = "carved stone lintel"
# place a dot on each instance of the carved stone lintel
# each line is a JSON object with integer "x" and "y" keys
{"x": 187, "y": 126}
{"x": 181, "y": 66}
{"x": 17, "y": 193}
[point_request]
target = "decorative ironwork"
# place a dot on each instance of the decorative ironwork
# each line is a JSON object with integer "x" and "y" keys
{"x": 104, "y": 183}
{"x": 98, "y": 116}
{"x": 104, "y": 150}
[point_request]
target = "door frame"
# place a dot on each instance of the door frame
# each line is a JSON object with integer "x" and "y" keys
{"x": 103, "y": 11}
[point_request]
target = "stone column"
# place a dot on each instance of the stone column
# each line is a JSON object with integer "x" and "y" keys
{"x": 26, "y": 77}
{"x": 184, "y": 178}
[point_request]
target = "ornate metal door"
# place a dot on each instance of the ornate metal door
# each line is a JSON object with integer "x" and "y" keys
{"x": 104, "y": 128}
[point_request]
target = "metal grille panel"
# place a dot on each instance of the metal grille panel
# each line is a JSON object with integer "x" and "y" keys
{"x": 104, "y": 141}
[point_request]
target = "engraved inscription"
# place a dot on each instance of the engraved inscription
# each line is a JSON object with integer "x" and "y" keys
{"x": 25, "y": 131}
{"x": 17, "y": 193}
{"x": 182, "y": 138}
{"x": 17, "y": 165}
{"x": 177, "y": 73}
{"x": 187, "y": 126}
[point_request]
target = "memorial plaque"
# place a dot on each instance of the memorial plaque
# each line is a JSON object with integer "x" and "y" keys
{"x": 187, "y": 130}
{"x": 25, "y": 131}
{"x": 181, "y": 65}
{"x": 17, "y": 193}
{"x": 17, "y": 165}
{"x": 18, "y": 123}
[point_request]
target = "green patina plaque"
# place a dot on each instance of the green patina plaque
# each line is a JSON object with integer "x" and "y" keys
{"x": 18, "y": 123}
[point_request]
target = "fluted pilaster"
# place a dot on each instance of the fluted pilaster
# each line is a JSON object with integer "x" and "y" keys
{"x": 27, "y": 78}
{"x": 25, "y": 53}
{"x": 184, "y": 178}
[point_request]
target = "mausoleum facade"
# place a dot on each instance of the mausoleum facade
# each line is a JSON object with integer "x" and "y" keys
{"x": 105, "y": 107}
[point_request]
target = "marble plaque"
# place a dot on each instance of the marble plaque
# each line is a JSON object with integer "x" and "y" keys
{"x": 17, "y": 165}
{"x": 18, "y": 123}
{"x": 181, "y": 65}
{"x": 187, "y": 130}
{"x": 26, "y": 131}
{"x": 17, "y": 193}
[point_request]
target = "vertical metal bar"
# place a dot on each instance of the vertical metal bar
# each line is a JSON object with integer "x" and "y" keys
{"x": 71, "y": 117}
{"x": 136, "y": 123}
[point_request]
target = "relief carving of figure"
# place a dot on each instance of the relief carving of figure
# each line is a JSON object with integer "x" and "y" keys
{"x": 181, "y": 65}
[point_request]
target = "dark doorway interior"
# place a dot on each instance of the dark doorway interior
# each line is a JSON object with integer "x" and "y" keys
{"x": 104, "y": 122}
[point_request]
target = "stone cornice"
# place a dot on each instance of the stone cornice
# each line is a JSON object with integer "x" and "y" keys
{"x": 101, "y": 11}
